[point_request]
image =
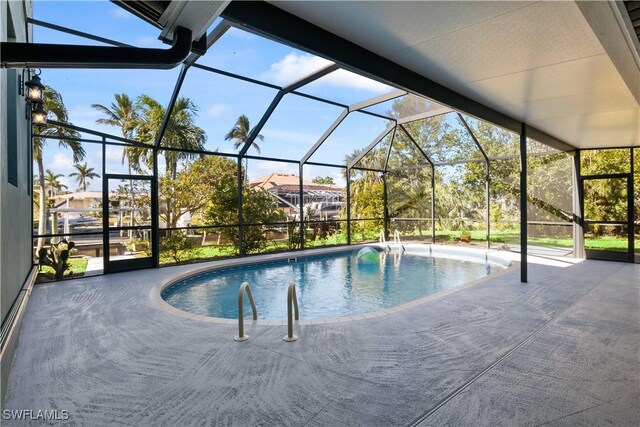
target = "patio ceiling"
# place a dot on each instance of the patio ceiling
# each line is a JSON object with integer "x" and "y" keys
{"x": 570, "y": 69}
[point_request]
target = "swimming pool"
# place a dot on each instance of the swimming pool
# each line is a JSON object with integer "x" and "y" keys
{"x": 330, "y": 285}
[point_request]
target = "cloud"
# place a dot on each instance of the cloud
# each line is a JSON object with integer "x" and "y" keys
{"x": 118, "y": 12}
{"x": 113, "y": 153}
{"x": 294, "y": 66}
{"x": 261, "y": 168}
{"x": 276, "y": 167}
{"x": 215, "y": 110}
{"x": 61, "y": 161}
{"x": 344, "y": 78}
{"x": 71, "y": 183}
{"x": 312, "y": 171}
{"x": 84, "y": 112}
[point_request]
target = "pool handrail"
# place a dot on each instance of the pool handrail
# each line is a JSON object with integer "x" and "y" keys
{"x": 381, "y": 237}
{"x": 396, "y": 242}
{"x": 244, "y": 288}
{"x": 292, "y": 300}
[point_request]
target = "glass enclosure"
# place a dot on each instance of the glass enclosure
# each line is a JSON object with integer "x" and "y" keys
{"x": 238, "y": 163}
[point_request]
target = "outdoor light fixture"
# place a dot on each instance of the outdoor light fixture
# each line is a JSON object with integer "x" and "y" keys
{"x": 39, "y": 117}
{"x": 33, "y": 91}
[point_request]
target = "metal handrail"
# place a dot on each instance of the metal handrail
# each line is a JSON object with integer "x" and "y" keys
{"x": 381, "y": 238}
{"x": 396, "y": 241}
{"x": 244, "y": 288}
{"x": 292, "y": 300}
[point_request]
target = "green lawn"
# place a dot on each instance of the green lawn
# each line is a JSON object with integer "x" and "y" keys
{"x": 78, "y": 267}
{"x": 600, "y": 242}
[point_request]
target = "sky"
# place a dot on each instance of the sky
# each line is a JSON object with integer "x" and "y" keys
{"x": 294, "y": 127}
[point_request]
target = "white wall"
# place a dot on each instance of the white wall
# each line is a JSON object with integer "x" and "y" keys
{"x": 15, "y": 200}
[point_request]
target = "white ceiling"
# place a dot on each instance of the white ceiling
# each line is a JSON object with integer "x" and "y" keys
{"x": 564, "y": 68}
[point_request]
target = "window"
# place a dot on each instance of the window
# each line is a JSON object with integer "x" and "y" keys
{"x": 12, "y": 134}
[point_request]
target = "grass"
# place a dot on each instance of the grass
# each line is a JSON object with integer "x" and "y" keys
{"x": 77, "y": 265}
{"x": 199, "y": 253}
{"x": 590, "y": 242}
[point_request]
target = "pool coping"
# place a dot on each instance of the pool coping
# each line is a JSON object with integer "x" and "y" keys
{"x": 155, "y": 295}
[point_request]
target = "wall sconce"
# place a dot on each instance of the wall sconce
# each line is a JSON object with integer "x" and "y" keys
{"x": 39, "y": 117}
{"x": 33, "y": 91}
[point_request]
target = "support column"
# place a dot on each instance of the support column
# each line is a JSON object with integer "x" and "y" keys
{"x": 105, "y": 207}
{"x": 155, "y": 211}
{"x": 523, "y": 204}
{"x": 630, "y": 210}
{"x": 385, "y": 205}
{"x": 348, "y": 206}
{"x": 488, "y": 184}
{"x": 578, "y": 221}
{"x": 240, "y": 217}
{"x": 433, "y": 203}
{"x": 301, "y": 213}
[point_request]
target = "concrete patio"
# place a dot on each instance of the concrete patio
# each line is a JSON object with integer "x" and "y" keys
{"x": 563, "y": 349}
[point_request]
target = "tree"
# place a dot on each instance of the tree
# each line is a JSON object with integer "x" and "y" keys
{"x": 409, "y": 179}
{"x": 53, "y": 184}
{"x": 222, "y": 206}
{"x": 239, "y": 134}
{"x": 327, "y": 180}
{"x": 55, "y": 108}
{"x": 366, "y": 191}
{"x": 191, "y": 190}
{"x": 83, "y": 174}
{"x": 181, "y": 133}
{"x": 123, "y": 114}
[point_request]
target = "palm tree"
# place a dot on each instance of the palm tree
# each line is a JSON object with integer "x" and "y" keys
{"x": 239, "y": 134}
{"x": 181, "y": 133}
{"x": 53, "y": 183}
{"x": 123, "y": 114}
{"x": 83, "y": 175}
{"x": 54, "y": 105}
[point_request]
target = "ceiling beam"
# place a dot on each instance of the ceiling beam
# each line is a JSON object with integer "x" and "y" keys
{"x": 371, "y": 146}
{"x": 266, "y": 19}
{"x": 255, "y": 132}
{"x": 377, "y": 100}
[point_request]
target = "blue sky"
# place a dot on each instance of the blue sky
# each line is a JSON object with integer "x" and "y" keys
{"x": 294, "y": 127}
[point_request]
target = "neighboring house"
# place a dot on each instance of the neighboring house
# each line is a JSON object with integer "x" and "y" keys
{"x": 80, "y": 202}
{"x": 322, "y": 200}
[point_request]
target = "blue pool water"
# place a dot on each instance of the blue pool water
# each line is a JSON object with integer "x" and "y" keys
{"x": 327, "y": 286}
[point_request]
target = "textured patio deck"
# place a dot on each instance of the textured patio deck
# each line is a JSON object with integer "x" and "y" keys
{"x": 563, "y": 349}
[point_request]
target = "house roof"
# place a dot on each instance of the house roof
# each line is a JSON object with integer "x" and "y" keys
{"x": 80, "y": 195}
{"x": 288, "y": 182}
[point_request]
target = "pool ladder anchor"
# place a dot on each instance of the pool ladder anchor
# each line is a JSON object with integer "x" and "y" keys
{"x": 396, "y": 241}
{"x": 244, "y": 288}
{"x": 292, "y": 306}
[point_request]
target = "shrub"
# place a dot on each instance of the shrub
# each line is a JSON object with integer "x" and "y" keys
{"x": 177, "y": 245}
{"x": 56, "y": 257}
